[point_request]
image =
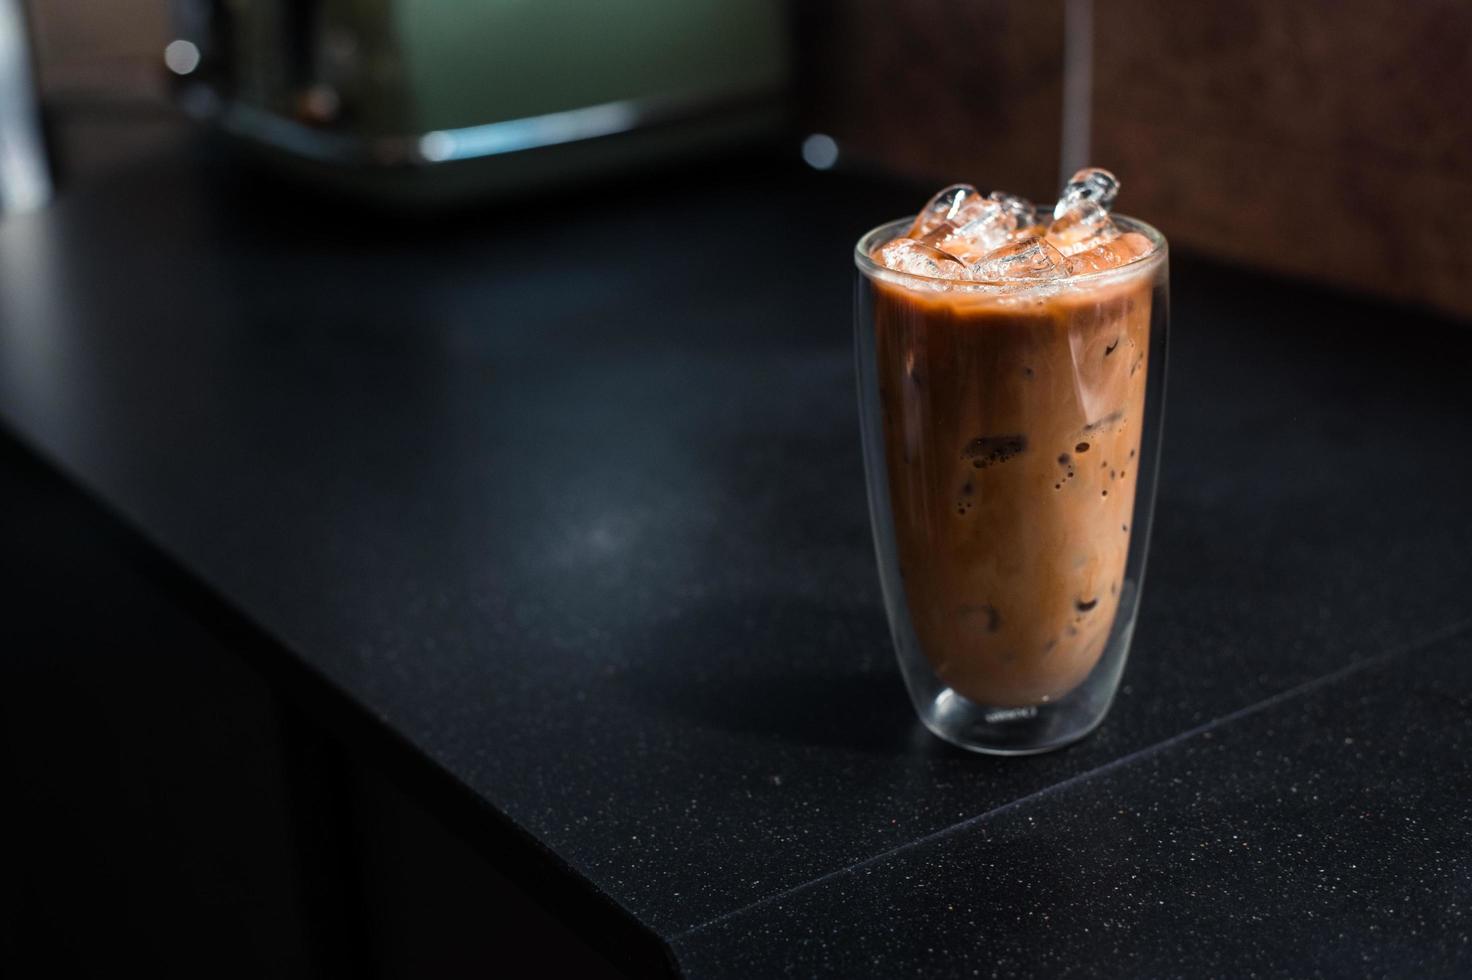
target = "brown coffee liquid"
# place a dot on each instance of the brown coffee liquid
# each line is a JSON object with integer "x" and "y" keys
{"x": 1012, "y": 437}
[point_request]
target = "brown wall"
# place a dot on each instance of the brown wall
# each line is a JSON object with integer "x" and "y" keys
{"x": 1328, "y": 139}
{"x": 936, "y": 88}
{"x": 88, "y": 48}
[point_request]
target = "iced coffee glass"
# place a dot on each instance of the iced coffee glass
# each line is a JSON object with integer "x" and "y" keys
{"x": 1011, "y": 389}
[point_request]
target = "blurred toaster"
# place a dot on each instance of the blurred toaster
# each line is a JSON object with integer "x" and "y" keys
{"x": 448, "y": 98}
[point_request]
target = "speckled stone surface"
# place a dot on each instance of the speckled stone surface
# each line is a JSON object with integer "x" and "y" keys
{"x": 1321, "y": 834}
{"x": 570, "y": 498}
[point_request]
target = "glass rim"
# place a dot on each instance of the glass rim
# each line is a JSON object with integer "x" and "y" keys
{"x": 864, "y": 260}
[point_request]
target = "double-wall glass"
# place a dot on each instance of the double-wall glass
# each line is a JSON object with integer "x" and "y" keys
{"x": 1011, "y": 432}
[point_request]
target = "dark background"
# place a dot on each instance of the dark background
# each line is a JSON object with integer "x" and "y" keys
{"x": 1321, "y": 139}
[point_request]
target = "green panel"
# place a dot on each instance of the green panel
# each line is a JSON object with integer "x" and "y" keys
{"x": 479, "y": 61}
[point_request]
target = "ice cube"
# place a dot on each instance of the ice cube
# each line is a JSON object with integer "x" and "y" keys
{"x": 1082, "y": 226}
{"x": 941, "y": 208}
{"x": 978, "y": 227}
{"x": 1024, "y": 214}
{"x": 1030, "y": 258}
{"x": 920, "y": 259}
{"x": 1111, "y": 254}
{"x": 1089, "y": 184}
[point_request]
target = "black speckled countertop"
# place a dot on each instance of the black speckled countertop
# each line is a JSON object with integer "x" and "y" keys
{"x": 567, "y": 500}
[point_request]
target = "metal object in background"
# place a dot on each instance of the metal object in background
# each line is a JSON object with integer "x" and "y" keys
{"x": 25, "y": 182}
{"x": 470, "y": 98}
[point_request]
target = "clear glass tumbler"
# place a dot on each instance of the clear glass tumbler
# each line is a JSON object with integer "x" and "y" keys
{"x": 1011, "y": 433}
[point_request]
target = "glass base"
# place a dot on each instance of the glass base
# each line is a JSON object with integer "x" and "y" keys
{"x": 1029, "y": 730}
{"x": 1009, "y": 731}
